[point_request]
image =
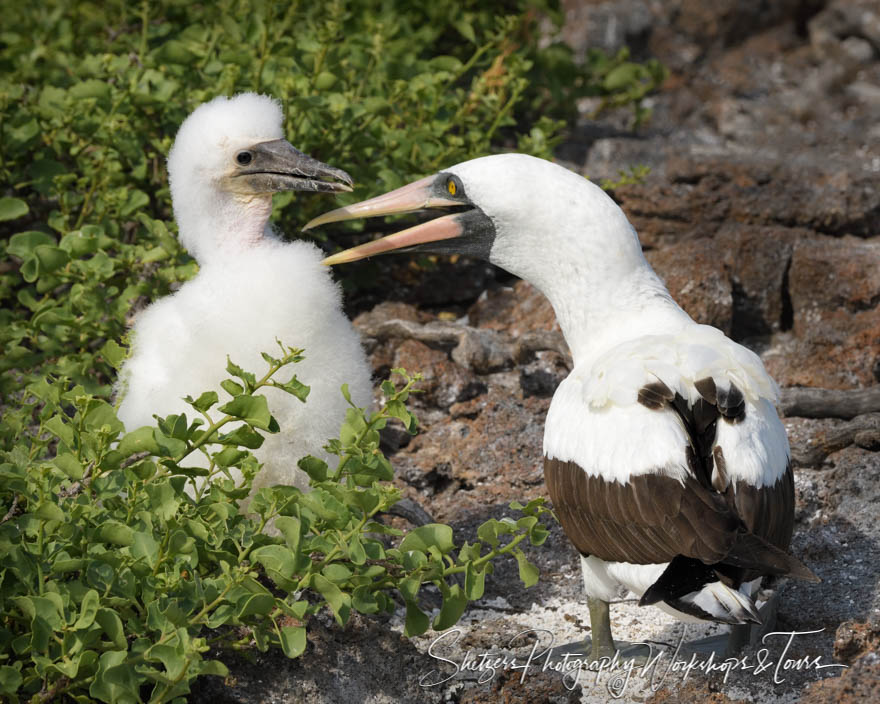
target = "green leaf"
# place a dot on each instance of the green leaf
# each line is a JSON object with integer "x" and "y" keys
{"x": 10, "y": 680}
{"x": 89, "y": 88}
{"x": 70, "y": 465}
{"x": 229, "y": 456}
{"x": 409, "y": 588}
{"x": 12, "y": 208}
{"x": 291, "y": 528}
{"x": 474, "y": 582}
{"x": 168, "y": 446}
{"x": 48, "y": 511}
{"x": 88, "y": 610}
{"x": 300, "y": 390}
{"x": 338, "y": 601}
{"x": 430, "y": 535}
{"x": 528, "y": 573}
{"x": 314, "y": 467}
{"x": 231, "y": 387}
{"x": 164, "y": 500}
{"x": 111, "y": 624}
{"x": 466, "y": 30}
{"x": 364, "y": 600}
{"x": 247, "y": 377}
{"x": 252, "y": 409}
{"x": 293, "y": 640}
{"x": 416, "y": 621}
{"x": 245, "y": 436}
{"x": 205, "y": 401}
{"x": 622, "y": 76}
{"x": 538, "y": 534}
{"x": 116, "y": 533}
{"x": 356, "y": 552}
{"x": 145, "y": 547}
{"x": 255, "y": 605}
{"x": 57, "y": 425}
{"x": 113, "y": 353}
{"x": 223, "y": 615}
{"x": 454, "y": 603}
{"x": 279, "y": 563}
{"x": 140, "y": 440}
{"x": 23, "y": 244}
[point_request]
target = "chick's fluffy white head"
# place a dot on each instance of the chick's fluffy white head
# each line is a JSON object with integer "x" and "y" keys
{"x": 209, "y": 215}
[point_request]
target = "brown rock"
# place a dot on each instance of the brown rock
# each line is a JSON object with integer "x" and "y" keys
{"x": 834, "y": 350}
{"x": 444, "y": 382}
{"x": 853, "y": 639}
{"x": 692, "y": 691}
{"x": 857, "y": 685}
{"x": 831, "y": 274}
{"x": 727, "y": 22}
{"x": 487, "y": 452}
{"x": 758, "y": 261}
{"x": 516, "y": 310}
{"x": 507, "y": 687}
{"x": 695, "y": 275}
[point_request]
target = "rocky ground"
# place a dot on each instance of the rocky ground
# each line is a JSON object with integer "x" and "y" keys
{"x": 762, "y": 213}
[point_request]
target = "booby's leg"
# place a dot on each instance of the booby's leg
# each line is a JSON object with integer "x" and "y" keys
{"x": 740, "y": 636}
{"x": 600, "y": 624}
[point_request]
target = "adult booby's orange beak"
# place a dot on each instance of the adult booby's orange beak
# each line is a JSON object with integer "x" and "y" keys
{"x": 442, "y": 192}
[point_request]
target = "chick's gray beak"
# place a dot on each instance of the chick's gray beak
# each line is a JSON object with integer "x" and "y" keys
{"x": 277, "y": 165}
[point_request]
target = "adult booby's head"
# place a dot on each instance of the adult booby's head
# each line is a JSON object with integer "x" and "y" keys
{"x": 228, "y": 158}
{"x": 536, "y": 220}
{"x": 495, "y": 208}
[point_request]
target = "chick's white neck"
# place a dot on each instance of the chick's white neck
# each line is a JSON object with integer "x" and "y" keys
{"x": 216, "y": 226}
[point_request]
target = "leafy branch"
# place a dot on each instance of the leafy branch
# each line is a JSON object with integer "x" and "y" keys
{"x": 124, "y": 557}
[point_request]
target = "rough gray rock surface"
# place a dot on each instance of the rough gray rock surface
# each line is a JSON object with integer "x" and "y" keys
{"x": 762, "y": 213}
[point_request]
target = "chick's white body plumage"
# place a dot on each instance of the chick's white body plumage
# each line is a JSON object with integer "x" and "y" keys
{"x": 252, "y": 289}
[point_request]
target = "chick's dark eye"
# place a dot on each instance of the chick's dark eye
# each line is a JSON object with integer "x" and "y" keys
{"x": 244, "y": 158}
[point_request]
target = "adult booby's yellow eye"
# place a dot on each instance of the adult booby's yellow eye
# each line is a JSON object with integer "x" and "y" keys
{"x": 451, "y": 188}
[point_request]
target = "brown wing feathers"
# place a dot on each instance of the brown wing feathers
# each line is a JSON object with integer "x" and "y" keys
{"x": 703, "y": 521}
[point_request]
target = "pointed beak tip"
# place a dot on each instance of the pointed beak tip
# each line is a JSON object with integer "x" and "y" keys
{"x": 332, "y": 259}
{"x": 314, "y": 222}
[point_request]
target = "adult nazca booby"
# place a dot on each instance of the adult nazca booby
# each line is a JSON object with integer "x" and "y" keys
{"x": 664, "y": 456}
{"x": 252, "y": 288}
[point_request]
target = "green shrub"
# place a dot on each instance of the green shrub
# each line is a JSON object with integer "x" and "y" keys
{"x": 115, "y": 578}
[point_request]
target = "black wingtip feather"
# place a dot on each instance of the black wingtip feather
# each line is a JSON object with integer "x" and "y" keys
{"x": 731, "y": 403}
{"x": 753, "y": 552}
{"x": 707, "y": 389}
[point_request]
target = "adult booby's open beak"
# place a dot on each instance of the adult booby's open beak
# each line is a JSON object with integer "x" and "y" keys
{"x": 466, "y": 230}
{"x": 277, "y": 165}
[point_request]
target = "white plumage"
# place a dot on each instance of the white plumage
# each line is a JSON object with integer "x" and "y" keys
{"x": 251, "y": 290}
{"x": 663, "y": 442}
